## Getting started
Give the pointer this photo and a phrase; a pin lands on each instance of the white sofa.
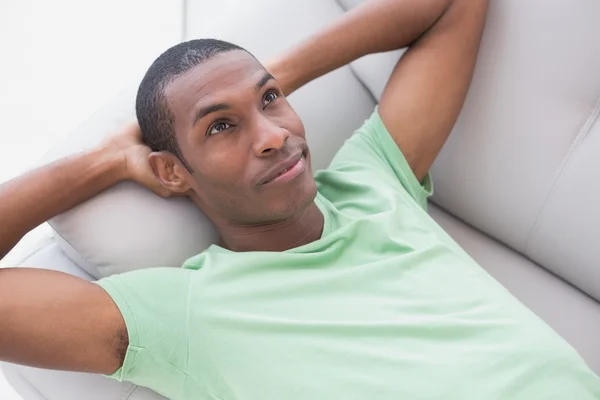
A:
(517, 183)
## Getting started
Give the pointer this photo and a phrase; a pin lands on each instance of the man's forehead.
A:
(222, 73)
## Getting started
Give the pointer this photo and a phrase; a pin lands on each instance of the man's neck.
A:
(304, 228)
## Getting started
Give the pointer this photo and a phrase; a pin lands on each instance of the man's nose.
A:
(268, 137)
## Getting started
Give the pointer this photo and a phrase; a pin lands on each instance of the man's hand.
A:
(127, 146)
(31, 199)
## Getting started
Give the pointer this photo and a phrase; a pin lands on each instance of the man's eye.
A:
(269, 97)
(218, 127)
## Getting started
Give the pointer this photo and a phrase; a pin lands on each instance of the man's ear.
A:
(170, 172)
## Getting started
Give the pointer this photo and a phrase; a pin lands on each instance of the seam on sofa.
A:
(131, 395)
(83, 257)
(57, 233)
(343, 6)
(339, 3)
(583, 132)
(31, 386)
(129, 392)
(363, 84)
(45, 242)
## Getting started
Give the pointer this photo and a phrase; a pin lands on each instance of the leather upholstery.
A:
(520, 162)
(519, 166)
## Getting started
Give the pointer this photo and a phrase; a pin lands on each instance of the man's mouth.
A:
(286, 170)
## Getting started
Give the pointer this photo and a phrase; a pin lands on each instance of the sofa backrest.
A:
(523, 162)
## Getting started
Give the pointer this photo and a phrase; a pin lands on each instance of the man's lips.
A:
(283, 168)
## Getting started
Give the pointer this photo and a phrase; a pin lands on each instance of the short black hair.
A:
(154, 116)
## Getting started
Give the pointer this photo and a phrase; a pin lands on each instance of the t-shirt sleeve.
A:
(154, 305)
(372, 148)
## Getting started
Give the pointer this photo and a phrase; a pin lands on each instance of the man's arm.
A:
(50, 319)
(53, 320)
(426, 91)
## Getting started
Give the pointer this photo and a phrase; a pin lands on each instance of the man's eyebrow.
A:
(204, 111)
(266, 78)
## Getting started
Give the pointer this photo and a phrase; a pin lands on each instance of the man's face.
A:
(243, 141)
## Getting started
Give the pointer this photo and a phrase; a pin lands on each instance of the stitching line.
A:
(129, 392)
(43, 244)
(30, 385)
(583, 132)
(83, 257)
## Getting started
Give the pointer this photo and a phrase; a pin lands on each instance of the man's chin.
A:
(295, 200)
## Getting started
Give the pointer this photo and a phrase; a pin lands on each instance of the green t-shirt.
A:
(384, 306)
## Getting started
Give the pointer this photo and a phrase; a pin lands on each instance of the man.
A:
(338, 287)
